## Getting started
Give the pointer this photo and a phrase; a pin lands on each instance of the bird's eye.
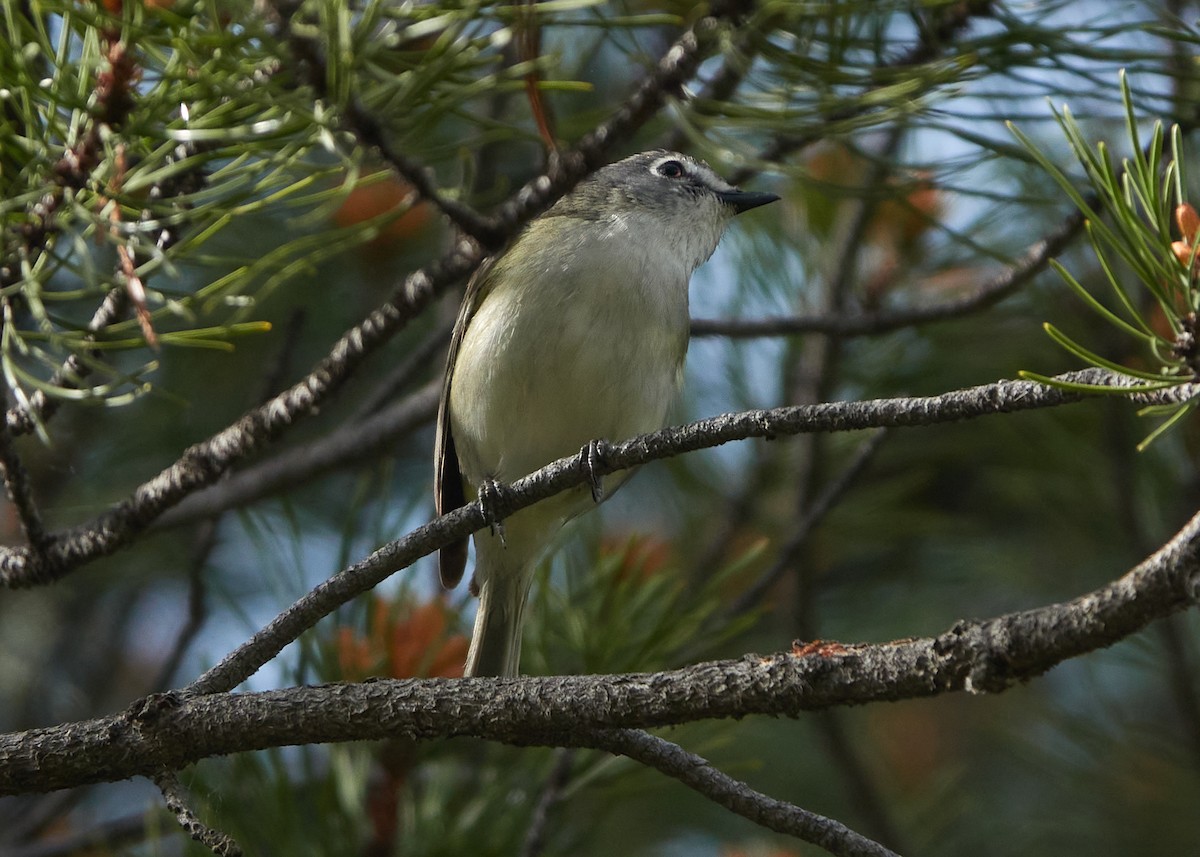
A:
(671, 169)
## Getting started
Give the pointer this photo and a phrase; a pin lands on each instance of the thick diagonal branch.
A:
(170, 731)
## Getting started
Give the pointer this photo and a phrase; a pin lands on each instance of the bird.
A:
(574, 334)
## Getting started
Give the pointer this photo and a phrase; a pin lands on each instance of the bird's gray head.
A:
(660, 199)
(659, 180)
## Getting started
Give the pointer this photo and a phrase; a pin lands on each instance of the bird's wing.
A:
(447, 477)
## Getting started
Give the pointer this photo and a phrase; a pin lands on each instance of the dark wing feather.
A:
(447, 477)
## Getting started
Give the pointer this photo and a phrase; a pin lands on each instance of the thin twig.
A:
(528, 38)
(126, 264)
(206, 540)
(22, 418)
(552, 793)
(830, 494)
(843, 325)
(221, 844)
(351, 443)
(698, 774)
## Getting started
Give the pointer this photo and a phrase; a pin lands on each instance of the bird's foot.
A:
(491, 500)
(593, 457)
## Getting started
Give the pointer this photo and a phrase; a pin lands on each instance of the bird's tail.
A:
(503, 576)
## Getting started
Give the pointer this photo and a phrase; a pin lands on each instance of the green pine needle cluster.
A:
(1129, 215)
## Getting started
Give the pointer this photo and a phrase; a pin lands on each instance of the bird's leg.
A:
(593, 456)
(491, 501)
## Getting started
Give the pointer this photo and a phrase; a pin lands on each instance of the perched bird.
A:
(576, 332)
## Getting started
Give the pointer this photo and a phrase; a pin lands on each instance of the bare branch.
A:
(994, 290)
(169, 731)
(349, 444)
(698, 774)
(219, 843)
(552, 792)
(816, 513)
(1001, 397)
(205, 462)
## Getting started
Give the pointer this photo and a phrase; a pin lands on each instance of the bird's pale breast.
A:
(569, 347)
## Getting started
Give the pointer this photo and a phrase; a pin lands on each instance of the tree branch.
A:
(24, 417)
(169, 731)
(219, 843)
(698, 774)
(1001, 397)
(552, 793)
(348, 444)
(813, 515)
(203, 463)
(1031, 263)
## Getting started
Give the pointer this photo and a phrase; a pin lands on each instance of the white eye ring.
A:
(670, 168)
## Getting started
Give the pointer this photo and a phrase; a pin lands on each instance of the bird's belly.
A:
(549, 376)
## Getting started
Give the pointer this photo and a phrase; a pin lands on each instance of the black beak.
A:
(743, 200)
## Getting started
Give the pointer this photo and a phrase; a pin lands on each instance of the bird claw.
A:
(593, 456)
(491, 494)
